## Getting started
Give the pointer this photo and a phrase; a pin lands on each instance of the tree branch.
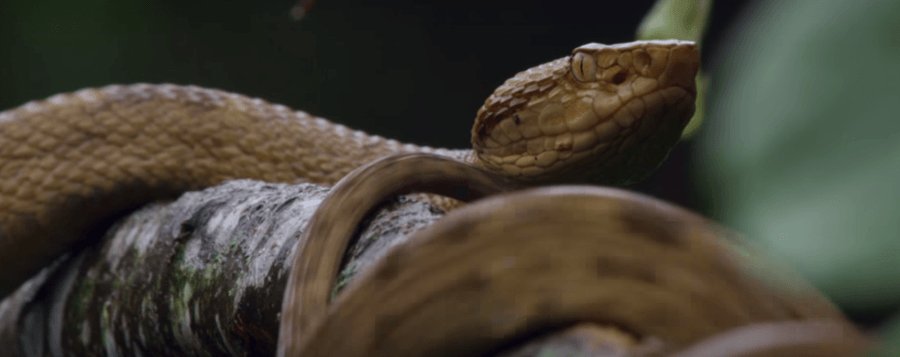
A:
(202, 275)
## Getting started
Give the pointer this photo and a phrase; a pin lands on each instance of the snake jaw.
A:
(606, 114)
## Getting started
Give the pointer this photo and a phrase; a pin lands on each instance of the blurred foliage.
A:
(801, 149)
(683, 20)
(680, 19)
(890, 337)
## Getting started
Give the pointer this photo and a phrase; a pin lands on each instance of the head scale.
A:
(606, 114)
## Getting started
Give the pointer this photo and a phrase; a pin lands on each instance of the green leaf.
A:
(802, 147)
(679, 19)
(683, 20)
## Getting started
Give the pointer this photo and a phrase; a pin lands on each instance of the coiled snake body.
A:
(68, 163)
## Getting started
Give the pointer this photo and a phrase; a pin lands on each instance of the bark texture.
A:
(203, 275)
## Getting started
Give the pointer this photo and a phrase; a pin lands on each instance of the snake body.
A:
(73, 161)
(487, 276)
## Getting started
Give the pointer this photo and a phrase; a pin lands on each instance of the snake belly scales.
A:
(604, 114)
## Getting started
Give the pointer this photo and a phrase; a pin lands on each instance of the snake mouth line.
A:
(615, 133)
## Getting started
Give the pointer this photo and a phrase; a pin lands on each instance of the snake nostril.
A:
(619, 77)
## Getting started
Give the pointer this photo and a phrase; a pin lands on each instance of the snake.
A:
(72, 162)
(515, 265)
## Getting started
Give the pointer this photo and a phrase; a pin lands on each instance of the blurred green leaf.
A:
(679, 19)
(802, 148)
(890, 340)
(683, 20)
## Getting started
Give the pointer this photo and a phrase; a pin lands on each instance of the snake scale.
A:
(606, 113)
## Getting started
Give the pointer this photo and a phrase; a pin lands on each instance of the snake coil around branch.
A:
(604, 114)
(510, 267)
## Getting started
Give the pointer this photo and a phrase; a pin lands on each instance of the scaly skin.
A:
(72, 162)
(506, 268)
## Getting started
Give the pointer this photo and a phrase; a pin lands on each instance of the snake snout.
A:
(682, 65)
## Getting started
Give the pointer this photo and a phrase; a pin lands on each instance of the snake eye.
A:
(584, 68)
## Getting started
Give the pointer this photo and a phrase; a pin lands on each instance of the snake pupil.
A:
(583, 67)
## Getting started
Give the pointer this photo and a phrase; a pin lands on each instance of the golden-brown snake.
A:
(507, 268)
(68, 163)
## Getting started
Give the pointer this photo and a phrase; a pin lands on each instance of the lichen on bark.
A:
(202, 275)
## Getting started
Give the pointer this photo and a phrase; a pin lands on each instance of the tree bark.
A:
(203, 275)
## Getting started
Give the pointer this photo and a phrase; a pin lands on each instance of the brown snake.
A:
(68, 163)
(511, 266)
(604, 114)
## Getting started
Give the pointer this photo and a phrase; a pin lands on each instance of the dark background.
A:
(411, 70)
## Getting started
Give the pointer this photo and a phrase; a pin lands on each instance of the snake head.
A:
(605, 114)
